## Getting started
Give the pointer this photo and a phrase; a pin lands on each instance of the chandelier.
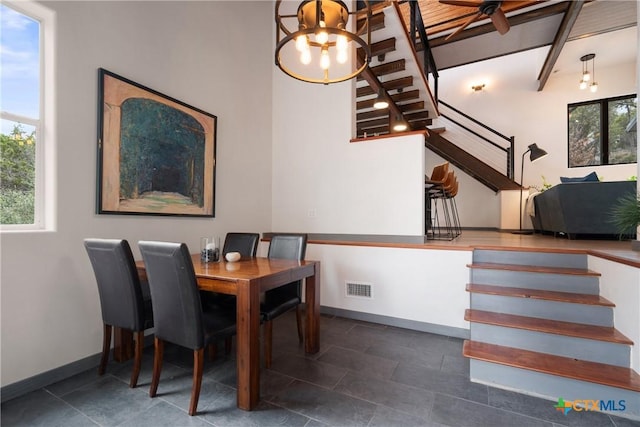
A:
(322, 37)
(586, 75)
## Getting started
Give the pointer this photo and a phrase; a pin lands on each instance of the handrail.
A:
(466, 116)
(417, 25)
(509, 150)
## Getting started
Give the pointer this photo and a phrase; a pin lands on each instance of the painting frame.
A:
(156, 154)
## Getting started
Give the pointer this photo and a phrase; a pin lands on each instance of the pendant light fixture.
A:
(400, 125)
(381, 100)
(586, 75)
(322, 37)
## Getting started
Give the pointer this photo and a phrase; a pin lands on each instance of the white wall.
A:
(620, 284)
(422, 285)
(193, 51)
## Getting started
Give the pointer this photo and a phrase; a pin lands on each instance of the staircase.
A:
(539, 326)
(474, 167)
(397, 71)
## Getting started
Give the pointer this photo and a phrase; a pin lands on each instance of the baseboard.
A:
(52, 376)
(449, 331)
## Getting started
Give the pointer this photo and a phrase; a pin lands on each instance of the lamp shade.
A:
(536, 152)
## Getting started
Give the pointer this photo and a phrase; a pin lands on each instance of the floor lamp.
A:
(535, 154)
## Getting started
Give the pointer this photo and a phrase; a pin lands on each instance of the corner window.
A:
(24, 135)
(603, 132)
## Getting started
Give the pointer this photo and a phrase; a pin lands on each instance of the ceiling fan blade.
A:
(500, 21)
(465, 25)
(461, 3)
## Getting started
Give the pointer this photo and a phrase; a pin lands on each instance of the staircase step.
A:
(599, 373)
(579, 330)
(437, 130)
(534, 269)
(568, 297)
(530, 256)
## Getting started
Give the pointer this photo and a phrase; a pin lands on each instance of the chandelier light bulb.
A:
(593, 87)
(342, 43)
(321, 35)
(305, 57)
(302, 43)
(325, 61)
(586, 76)
(583, 84)
(341, 56)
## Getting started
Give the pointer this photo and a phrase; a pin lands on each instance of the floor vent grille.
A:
(359, 290)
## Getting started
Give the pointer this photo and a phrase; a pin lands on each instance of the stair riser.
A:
(567, 312)
(553, 387)
(530, 258)
(560, 345)
(548, 282)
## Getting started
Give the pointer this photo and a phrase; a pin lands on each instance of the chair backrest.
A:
(286, 246)
(440, 171)
(115, 270)
(245, 243)
(177, 310)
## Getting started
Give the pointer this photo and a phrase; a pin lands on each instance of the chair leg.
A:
(158, 350)
(198, 367)
(106, 346)
(299, 321)
(212, 349)
(268, 331)
(137, 361)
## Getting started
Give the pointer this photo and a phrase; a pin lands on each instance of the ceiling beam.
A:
(562, 35)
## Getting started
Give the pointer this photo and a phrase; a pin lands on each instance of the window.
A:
(603, 132)
(25, 138)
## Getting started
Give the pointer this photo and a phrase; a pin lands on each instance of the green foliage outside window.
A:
(17, 177)
(603, 132)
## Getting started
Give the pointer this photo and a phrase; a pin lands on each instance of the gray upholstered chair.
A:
(245, 243)
(177, 310)
(284, 298)
(124, 300)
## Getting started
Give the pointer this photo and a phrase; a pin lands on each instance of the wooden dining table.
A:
(247, 279)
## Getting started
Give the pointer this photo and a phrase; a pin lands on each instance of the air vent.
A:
(359, 290)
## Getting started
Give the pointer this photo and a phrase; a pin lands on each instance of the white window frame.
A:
(45, 163)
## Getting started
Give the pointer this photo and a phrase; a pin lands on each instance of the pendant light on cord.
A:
(586, 75)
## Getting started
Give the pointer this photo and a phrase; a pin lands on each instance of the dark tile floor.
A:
(364, 375)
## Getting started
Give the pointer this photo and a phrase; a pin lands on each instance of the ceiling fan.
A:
(489, 8)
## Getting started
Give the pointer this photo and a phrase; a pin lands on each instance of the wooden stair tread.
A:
(534, 269)
(599, 373)
(569, 297)
(577, 330)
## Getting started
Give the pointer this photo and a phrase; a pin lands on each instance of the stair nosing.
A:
(582, 370)
(557, 327)
(534, 269)
(539, 294)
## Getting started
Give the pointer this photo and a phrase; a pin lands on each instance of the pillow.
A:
(592, 177)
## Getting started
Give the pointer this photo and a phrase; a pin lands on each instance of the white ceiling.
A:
(614, 22)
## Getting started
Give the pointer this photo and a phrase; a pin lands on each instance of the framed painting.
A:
(156, 155)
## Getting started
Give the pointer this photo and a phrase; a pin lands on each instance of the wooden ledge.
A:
(535, 324)
(390, 135)
(599, 373)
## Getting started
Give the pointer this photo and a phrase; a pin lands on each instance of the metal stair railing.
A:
(508, 151)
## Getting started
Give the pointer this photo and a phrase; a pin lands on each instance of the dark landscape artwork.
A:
(156, 155)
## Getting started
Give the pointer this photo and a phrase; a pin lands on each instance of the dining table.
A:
(247, 279)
